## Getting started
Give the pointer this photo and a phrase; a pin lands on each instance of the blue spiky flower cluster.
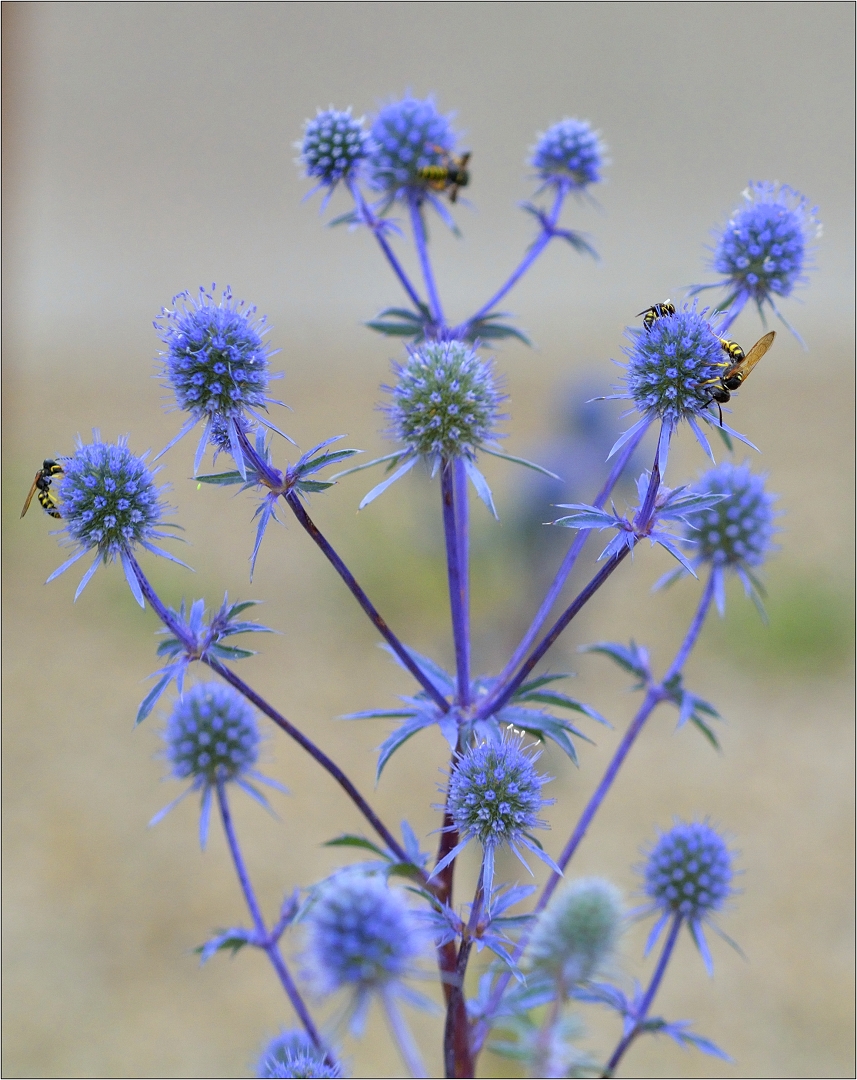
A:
(212, 734)
(292, 1054)
(569, 153)
(446, 402)
(689, 871)
(407, 136)
(737, 529)
(109, 498)
(361, 933)
(215, 359)
(333, 144)
(673, 365)
(495, 793)
(764, 246)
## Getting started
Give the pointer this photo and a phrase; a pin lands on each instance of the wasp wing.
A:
(33, 490)
(743, 368)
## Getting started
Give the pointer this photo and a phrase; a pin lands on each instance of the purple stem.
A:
(363, 600)
(457, 580)
(377, 229)
(175, 626)
(270, 947)
(418, 226)
(570, 559)
(654, 695)
(649, 996)
(533, 252)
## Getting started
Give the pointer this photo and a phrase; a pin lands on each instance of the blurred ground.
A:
(148, 150)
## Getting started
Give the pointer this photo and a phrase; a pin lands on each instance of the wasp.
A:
(656, 311)
(42, 488)
(740, 367)
(449, 175)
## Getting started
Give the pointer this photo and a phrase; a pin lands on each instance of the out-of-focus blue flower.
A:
(212, 738)
(361, 936)
(736, 532)
(293, 1054)
(689, 873)
(763, 249)
(494, 796)
(110, 504)
(216, 364)
(570, 155)
(407, 136)
(334, 143)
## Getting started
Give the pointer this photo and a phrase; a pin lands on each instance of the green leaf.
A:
(521, 461)
(314, 485)
(348, 840)
(223, 479)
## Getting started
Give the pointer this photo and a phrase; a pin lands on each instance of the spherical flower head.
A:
(361, 933)
(293, 1054)
(764, 246)
(215, 359)
(569, 154)
(407, 136)
(109, 499)
(332, 146)
(495, 793)
(673, 365)
(212, 735)
(689, 871)
(576, 934)
(446, 401)
(737, 530)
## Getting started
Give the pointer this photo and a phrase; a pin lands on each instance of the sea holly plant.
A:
(398, 912)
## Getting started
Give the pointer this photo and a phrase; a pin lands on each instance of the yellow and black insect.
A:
(42, 488)
(449, 175)
(740, 367)
(656, 311)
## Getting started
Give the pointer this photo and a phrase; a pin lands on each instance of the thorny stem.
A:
(648, 997)
(535, 249)
(418, 226)
(377, 229)
(570, 559)
(176, 628)
(271, 947)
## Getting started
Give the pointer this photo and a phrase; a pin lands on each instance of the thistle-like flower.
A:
(688, 873)
(407, 137)
(293, 1054)
(212, 738)
(110, 504)
(216, 364)
(445, 408)
(735, 533)
(764, 249)
(671, 369)
(333, 145)
(569, 155)
(576, 935)
(494, 796)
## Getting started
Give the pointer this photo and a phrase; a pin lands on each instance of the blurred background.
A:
(149, 149)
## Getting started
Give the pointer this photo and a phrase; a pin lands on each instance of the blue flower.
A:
(688, 873)
(407, 136)
(445, 408)
(570, 155)
(361, 935)
(216, 364)
(293, 1054)
(110, 504)
(764, 247)
(494, 796)
(672, 366)
(334, 143)
(212, 738)
(735, 533)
